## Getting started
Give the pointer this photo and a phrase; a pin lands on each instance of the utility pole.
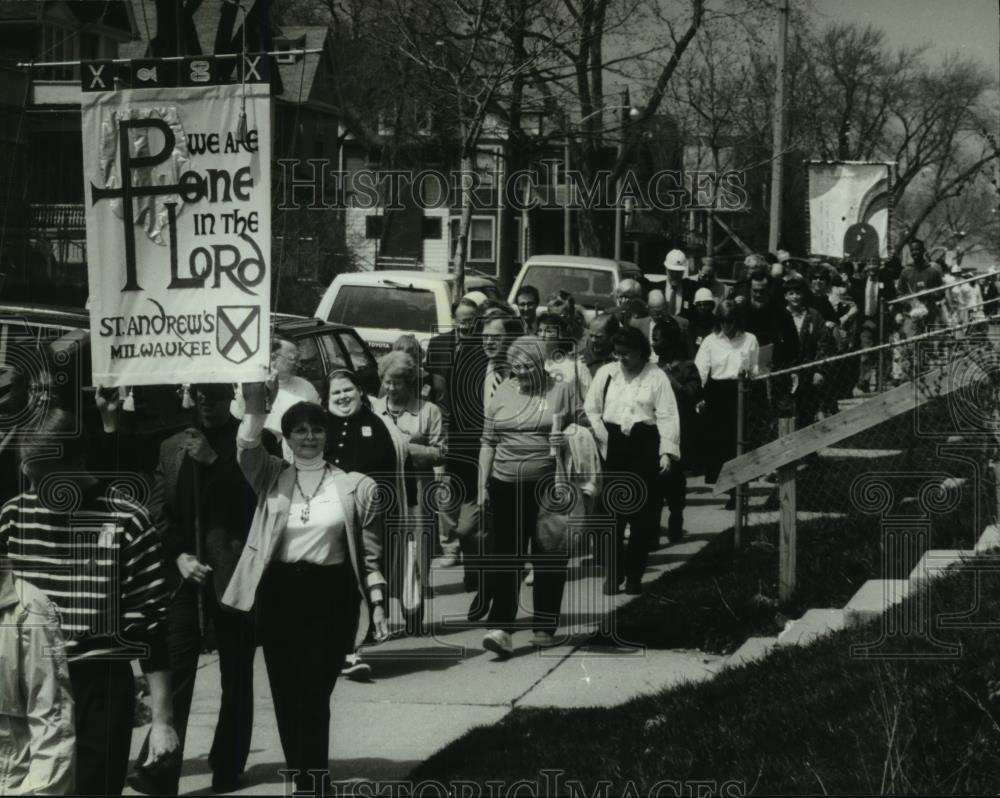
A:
(623, 110)
(565, 168)
(780, 114)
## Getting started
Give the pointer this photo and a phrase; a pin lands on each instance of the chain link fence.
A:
(839, 451)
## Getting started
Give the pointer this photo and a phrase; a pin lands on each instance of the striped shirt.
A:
(99, 562)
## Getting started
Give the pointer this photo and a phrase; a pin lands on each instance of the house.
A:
(44, 240)
(44, 246)
(417, 224)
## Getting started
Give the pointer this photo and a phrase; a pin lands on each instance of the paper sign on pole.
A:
(178, 221)
(849, 209)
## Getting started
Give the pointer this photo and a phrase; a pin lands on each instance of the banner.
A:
(178, 198)
(849, 209)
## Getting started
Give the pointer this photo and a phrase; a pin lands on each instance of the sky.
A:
(969, 26)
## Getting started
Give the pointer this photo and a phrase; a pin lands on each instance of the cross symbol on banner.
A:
(234, 328)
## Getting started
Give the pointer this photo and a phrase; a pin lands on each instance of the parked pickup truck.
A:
(382, 305)
(591, 281)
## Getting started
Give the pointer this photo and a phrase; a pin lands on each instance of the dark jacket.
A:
(223, 511)
(686, 382)
(772, 325)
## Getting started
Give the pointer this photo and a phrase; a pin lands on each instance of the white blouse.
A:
(646, 398)
(322, 539)
(723, 358)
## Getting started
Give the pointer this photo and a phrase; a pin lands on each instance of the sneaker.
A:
(499, 642)
(447, 560)
(543, 639)
(356, 669)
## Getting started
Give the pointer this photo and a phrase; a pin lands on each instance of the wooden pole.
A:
(786, 521)
(566, 211)
(741, 387)
(777, 156)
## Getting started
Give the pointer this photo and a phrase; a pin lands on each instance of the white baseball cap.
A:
(676, 261)
(476, 296)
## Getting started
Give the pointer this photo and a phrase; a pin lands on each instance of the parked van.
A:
(382, 306)
(591, 281)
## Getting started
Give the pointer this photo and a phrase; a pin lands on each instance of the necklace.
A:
(304, 515)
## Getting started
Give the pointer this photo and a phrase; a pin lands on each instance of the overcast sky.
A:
(971, 26)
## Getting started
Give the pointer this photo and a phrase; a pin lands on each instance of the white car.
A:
(383, 305)
(591, 281)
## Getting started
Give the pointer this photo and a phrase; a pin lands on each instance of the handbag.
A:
(559, 512)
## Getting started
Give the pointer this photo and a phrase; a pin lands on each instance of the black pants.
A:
(235, 638)
(719, 426)
(634, 458)
(674, 484)
(515, 521)
(104, 703)
(308, 619)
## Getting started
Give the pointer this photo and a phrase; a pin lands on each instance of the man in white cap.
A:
(676, 293)
(702, 315)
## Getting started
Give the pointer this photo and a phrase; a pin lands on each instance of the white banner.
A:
(849, 210)
(178, 230)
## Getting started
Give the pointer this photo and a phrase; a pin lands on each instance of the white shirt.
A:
(313, 541)
(646, 398)
(723, 358)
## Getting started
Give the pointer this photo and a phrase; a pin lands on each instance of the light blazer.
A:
(273, 479)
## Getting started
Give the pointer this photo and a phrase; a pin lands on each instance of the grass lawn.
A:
(814, 720)
(723, 597)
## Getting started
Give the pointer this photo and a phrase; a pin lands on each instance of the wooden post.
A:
(741, 387)
(786, 522)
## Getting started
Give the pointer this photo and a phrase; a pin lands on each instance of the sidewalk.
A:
(427, 691)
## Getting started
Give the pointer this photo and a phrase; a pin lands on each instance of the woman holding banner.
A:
(313, 566)
(521, 438)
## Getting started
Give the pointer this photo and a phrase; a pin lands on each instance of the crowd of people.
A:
(293, 519)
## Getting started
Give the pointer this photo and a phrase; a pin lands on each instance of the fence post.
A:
(741, 386)
(786, 520)
(880, 363)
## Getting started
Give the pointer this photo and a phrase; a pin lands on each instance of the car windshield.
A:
(591, 288)
(385, 308)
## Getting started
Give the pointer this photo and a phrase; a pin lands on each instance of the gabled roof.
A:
(116, 14)
(307, 80)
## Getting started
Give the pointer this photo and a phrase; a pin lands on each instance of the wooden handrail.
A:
(833, 429)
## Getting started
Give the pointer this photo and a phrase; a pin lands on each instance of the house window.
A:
(59, 44)
(481, 239)
(486, 166)
(424, 123)
(384, 121)
(432, 228)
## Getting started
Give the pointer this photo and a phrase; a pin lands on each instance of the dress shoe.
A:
(633, 587)
(612, 587)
